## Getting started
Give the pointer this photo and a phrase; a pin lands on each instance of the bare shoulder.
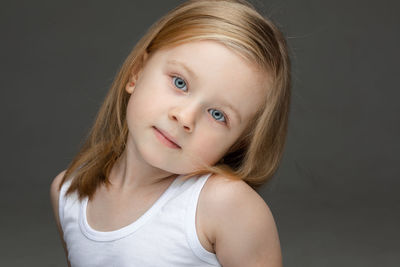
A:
(240, 224)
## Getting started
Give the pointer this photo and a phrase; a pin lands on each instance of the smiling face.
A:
(201, 94)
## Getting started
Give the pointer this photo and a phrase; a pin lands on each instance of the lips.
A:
(167, 136)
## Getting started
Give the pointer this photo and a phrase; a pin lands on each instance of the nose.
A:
(185, 116)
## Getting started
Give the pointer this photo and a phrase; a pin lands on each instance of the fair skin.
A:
(188, 106)
(191, 104)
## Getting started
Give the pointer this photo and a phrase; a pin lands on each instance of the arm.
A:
(54, 196)
(244, 230)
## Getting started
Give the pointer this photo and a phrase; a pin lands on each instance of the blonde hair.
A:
(255, 156)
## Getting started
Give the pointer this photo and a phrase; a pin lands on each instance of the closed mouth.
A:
(164, 134)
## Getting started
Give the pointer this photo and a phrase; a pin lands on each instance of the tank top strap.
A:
(62, 199)
(190, 223)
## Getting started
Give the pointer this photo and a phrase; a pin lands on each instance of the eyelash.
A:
(176, 76)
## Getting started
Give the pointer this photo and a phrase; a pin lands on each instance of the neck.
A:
(131, 173)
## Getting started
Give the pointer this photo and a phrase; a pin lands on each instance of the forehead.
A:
(219, 72)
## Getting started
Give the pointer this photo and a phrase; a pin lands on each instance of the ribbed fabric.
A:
(165, 235)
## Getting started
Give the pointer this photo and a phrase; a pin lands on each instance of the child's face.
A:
(191, 104)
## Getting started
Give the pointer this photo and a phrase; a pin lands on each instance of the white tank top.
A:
(165, 235)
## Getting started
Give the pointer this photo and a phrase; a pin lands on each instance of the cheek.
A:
(144, 103)
(211, 148)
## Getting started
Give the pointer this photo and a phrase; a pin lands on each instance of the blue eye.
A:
(218, 115)
(179, 82)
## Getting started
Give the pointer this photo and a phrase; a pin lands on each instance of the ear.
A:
(130, 86)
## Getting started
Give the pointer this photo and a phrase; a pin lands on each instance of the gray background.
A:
(334, 197)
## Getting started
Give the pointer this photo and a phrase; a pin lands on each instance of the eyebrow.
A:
(183, 65)
(191, 73)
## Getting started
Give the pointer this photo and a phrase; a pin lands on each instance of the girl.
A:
(195, 120)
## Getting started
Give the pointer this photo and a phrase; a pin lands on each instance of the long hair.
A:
(255, 156)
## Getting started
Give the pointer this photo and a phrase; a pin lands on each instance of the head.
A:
(202, 94)
(253, 152)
